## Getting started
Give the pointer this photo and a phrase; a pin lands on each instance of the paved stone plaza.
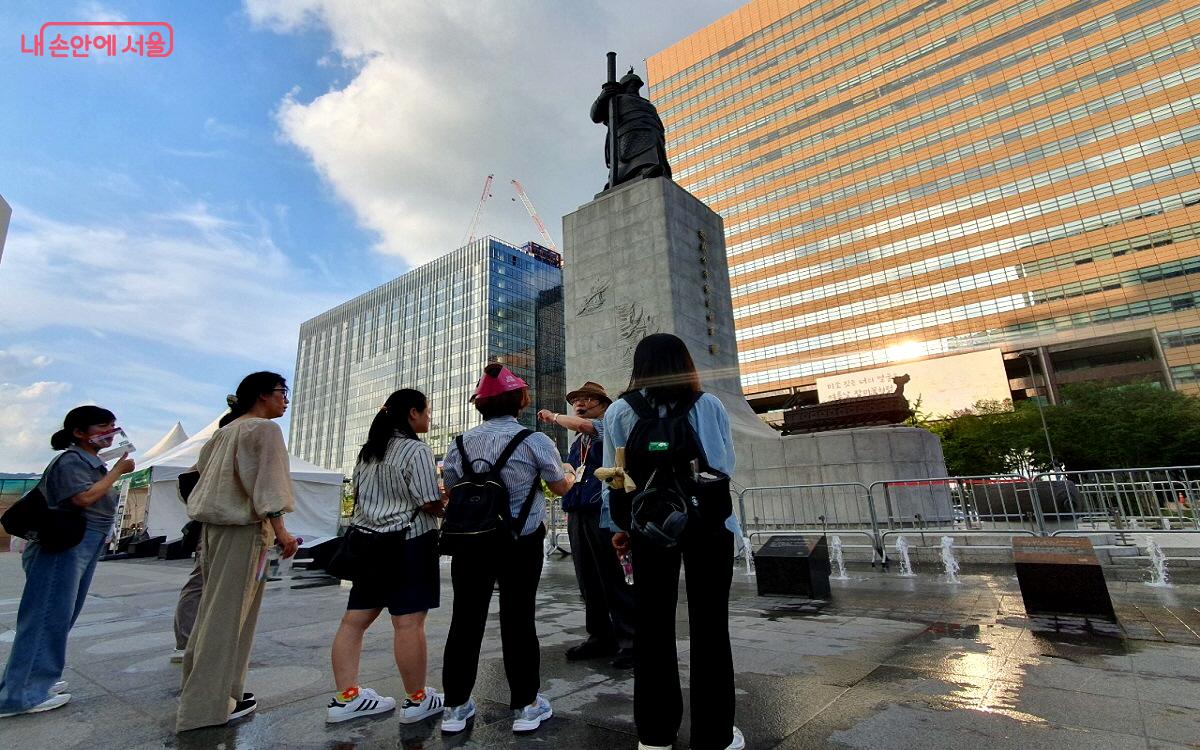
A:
(911, 664)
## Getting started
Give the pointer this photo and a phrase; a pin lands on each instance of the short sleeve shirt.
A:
(536, 457)
(73, 472)
(390, 492)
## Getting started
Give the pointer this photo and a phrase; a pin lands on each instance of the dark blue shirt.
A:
(586, 455)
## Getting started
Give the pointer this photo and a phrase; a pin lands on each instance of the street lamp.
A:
(1028, 355)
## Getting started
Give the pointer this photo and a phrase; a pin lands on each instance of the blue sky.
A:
(175, 220)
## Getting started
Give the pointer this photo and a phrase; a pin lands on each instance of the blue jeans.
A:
(56, 585)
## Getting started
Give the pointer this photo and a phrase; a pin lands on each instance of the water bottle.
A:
(284, 564)
(273, 557)
(627, 566)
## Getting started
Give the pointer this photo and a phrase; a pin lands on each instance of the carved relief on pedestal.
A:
(633, 325)
(595, 300)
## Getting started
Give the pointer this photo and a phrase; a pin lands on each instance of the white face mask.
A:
(112, 444)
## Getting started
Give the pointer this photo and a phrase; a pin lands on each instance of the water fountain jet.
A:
(948, 560)
(906, 570)
(1159, 576)
(838, 560)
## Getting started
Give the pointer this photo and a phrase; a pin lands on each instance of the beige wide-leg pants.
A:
(218, 651)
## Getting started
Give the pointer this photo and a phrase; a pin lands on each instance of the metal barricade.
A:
(992, 505)
(556, 528)
(1117, 501)
(834, 508)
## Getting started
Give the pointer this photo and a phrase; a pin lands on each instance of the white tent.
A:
(318, 492)
(174, 437)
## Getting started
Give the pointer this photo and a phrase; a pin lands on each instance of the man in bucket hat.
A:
(607, 598)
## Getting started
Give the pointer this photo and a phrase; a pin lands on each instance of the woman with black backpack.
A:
(494, 531)
(678, 448)
(58, 575)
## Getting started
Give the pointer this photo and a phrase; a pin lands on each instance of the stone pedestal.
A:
(649, 257)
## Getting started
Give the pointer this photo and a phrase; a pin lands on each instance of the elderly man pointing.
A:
(607, 598)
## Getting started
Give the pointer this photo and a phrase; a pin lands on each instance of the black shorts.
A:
(416, 586)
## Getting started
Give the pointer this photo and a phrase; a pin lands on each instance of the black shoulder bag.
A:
(56, 529)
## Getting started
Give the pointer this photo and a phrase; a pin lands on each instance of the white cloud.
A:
(444, 93)
(186, 278)
(30, 415)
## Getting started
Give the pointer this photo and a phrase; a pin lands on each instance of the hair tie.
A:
(231, 401)
(383, 408)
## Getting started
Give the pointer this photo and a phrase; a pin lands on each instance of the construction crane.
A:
(533, 214)
(487, 193)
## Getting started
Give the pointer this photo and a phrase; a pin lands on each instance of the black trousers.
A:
(607, 599)
(657, 697)
(474, 572)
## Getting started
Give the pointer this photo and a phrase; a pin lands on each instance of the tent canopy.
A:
(174, 437)
(318, 491)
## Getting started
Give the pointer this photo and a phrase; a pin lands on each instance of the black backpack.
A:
(479, 501)
(676, 486)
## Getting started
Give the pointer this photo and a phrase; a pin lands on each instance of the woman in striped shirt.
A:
(396, 491)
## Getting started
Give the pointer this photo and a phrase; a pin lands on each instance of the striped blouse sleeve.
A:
(421, 473)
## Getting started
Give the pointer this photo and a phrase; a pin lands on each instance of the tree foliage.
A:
(1097, 426)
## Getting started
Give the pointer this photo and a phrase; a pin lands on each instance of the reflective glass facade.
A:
(915, 178)
(433, 329)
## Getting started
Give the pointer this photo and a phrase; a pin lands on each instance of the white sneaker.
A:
(531, 717)
(58, 687)
(366, 703)
(411, 712)
(739, 742)
(454, 718)
(51, 703)
(177, 656)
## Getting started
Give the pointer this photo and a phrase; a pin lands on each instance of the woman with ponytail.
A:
(244, 489)
(398, 502)
(57, 583)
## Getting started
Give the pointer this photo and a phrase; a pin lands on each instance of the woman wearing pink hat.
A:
(522, 459)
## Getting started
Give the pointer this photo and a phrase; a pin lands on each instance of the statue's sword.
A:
(612, 122)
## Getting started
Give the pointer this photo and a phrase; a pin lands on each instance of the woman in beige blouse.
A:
(244, 489)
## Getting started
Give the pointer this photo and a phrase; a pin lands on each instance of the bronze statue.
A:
(635, 132)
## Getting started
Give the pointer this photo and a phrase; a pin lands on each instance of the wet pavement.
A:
(890, 662)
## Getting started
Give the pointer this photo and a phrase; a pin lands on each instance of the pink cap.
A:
(504, 382)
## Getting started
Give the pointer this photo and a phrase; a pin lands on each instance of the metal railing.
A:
(556, 528)
(1109, 502)
(795, 509)
(1118, 501)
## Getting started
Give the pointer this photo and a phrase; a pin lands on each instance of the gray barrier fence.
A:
(1108, 502)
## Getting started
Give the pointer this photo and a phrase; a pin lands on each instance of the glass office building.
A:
(433, 329)
(906, 179)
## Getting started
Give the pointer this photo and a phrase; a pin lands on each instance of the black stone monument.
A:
(1061, 575)
(793, 566)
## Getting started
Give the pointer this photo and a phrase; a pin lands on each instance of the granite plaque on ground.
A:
(793, 566)
(1061, 575)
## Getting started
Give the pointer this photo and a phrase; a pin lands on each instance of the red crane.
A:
(487, 193)
(533, 214)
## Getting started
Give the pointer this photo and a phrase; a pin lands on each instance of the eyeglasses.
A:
(284, 391)
(585, 400)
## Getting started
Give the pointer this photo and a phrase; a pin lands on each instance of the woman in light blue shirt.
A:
(665, 377)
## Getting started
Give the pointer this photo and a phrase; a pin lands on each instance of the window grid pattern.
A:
(433, 329)
(1033, 177)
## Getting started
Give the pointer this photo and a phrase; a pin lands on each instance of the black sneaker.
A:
(590, 650)
(243, 708)
(624, 659)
